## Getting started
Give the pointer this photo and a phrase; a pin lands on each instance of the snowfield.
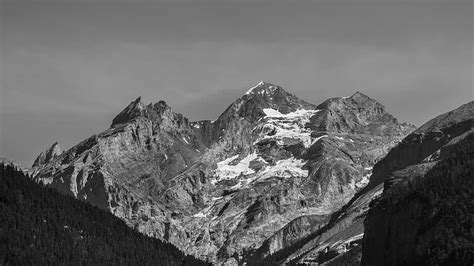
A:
(274, 126)
(286, 168)
(290, 167)
(280, 126)
(226, 171)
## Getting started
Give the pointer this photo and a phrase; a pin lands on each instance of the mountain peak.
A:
(365, 101)
(261, 88)
(359, 94)
(357, 113)
(156, 112)
(134, 109)
(137, 108)
(48, 155)
(261, 96)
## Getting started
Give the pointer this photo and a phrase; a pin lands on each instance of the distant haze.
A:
(67, 67)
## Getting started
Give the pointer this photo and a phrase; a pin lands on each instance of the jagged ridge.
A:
(220, 189)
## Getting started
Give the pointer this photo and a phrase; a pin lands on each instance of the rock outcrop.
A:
(267, 173)
(48, 155)
(425, 215)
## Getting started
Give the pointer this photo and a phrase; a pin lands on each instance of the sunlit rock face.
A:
(47, 155)
(258, 178)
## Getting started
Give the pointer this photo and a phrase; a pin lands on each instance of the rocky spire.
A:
(48, 155)
(134, 109)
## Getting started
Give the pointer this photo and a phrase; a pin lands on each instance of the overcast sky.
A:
(67, 67)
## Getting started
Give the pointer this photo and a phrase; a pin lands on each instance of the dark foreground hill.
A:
(39, 226)
(425, 215)
(426, 218)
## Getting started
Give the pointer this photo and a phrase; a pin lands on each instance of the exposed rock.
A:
(347, 223)
(48, 155)
(254, 182)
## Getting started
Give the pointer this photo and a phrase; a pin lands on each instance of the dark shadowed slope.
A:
(425, 215)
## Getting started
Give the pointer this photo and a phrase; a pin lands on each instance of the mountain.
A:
(39, 226)
(269, 171)
(340, 241)
(47, 155)
(425, 215)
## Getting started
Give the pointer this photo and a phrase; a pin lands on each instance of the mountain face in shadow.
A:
(425, 215)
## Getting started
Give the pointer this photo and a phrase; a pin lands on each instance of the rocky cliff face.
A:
(425, 215)
(47, 155)
(265, 174)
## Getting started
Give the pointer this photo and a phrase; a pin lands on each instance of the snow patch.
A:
(272, 113)
(254, 87)
(348, 240)
(318, 138)
(290, 167)
(185, 140)
(279, 126)
(226, 171)
(337, 137)
(236, 186)
(200, 215)
(364, 181)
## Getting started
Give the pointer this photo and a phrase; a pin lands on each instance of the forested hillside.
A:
(39, 226)
(425, 218)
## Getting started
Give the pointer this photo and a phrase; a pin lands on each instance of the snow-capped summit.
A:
(261, 96)
(261, 87)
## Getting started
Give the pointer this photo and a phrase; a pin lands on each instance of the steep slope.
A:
(425, 141)
(425, 215)
(220, 189)
(39, 226)
(123, 168)
(47, 155)
(345, 229)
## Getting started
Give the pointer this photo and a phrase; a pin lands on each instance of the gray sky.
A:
(67, 67)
